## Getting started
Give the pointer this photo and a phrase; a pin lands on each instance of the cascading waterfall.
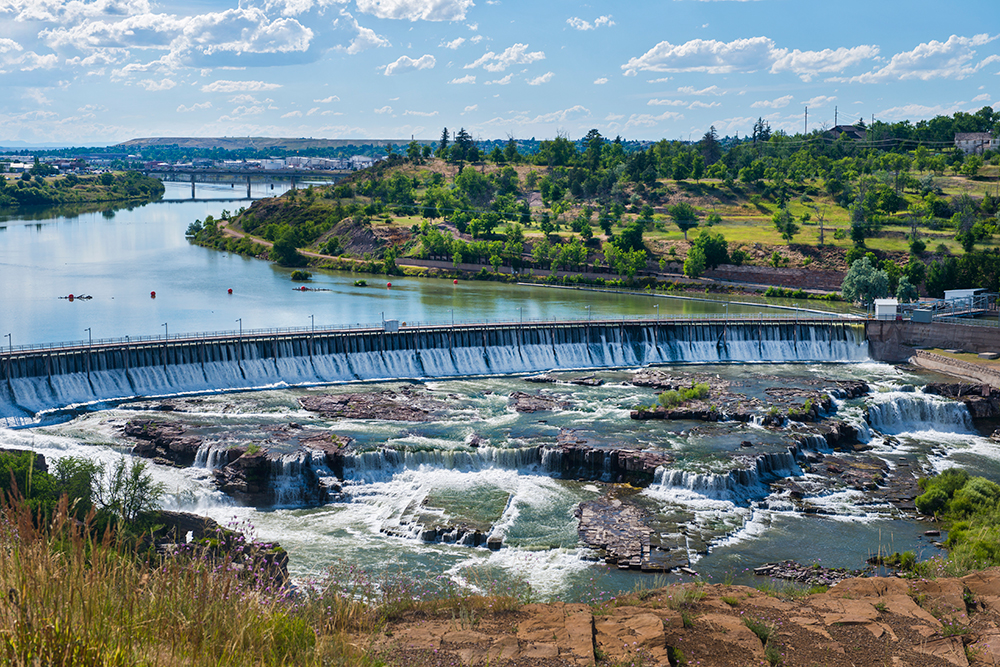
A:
(50, 380)
(902, 412)
(381, 464)
(739, 484)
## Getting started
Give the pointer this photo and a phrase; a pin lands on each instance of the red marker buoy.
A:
(230, 290)
(456, 281)
(388, 284)
(152, 295)
(70, 297)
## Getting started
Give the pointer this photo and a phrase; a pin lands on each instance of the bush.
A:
(300, 275)
(931, 502)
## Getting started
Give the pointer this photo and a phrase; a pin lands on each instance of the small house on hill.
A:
(854, 132)
(974, 143)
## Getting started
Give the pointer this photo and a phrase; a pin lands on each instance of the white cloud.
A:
(426, 114)
(407, 64)
(778, 103)
(649, 120)
(819, 101)
(981, 98)
(580, 24)
(601, 81)
(933, 60)
(312, 111)
(503, 81)
(154, 86)
(573, 113)
(194, 107)
(31, 61)
(807, 64)
(472, 107)
(224, 86)
(384, 110)
(37, 96)
(364, 38)
(539, 80)
(453, 44)
(292, 114)
(468, 78)
(614, 116)
(744, 55)
(7, 45)
(514, 55)
(327, 100)
(59, 11)
(415, 10)
(912, 111)
(691, 90)
(665, 103)
(698, 104)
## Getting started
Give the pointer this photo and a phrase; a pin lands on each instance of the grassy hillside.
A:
(39, 190)
(614, 218)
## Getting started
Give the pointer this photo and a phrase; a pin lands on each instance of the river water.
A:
(410, 471)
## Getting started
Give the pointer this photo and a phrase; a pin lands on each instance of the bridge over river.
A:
(38, 379)
(240, 177)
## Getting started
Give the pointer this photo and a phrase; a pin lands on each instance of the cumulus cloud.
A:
(649, 120)
(384, 110)
(194, 107)
(819, 101)
(910, 111)
(60, 11)
(453, 44)
(408, 64)
(292, 114)
(573, 113)
(468, 78)
(601, 81)
(471, 107)
(503, 81)
(744, 55)
(691, 90)
(539, 80)
(981, 98)
(665, 103)
(807, 64)
(425, 114)
(327, 100)
(778, 103)
(31, 61)
(580, 24)
(953, 59)
(8, 45)
(153, 86)
(698, 104)
(364, 38)
(224, 86)
(416, 10)
(516, 54)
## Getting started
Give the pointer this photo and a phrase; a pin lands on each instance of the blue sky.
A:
(101, 71)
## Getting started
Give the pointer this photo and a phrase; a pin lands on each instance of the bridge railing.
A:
(409, 326)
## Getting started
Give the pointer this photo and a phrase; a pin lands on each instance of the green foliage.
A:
(695, 262)
(864, 283)
(684, 216)
(714, 248)
(300, 275)
(677, 397)
(127, 489)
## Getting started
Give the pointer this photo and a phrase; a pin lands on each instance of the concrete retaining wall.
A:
(897, 341)
(957, 368)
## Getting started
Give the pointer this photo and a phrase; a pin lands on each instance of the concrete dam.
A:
(39, 380)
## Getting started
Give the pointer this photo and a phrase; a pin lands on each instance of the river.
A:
(408, 473)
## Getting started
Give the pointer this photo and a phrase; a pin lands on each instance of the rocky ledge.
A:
(858, 622)
(982, 400)
(523, 402)
(406, 405)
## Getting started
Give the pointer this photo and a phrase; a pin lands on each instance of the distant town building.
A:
(975, 142)
(361, 161)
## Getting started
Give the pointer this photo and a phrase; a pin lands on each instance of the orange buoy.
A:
(388, 284)
(230, 290)
(455, 281)
(152, 295)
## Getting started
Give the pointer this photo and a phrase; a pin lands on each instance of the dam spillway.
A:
(56, 377)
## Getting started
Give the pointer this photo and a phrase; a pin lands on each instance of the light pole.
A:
(520, 314)
(312, 324)
(588, 314)
(452, 317)
(10, 344)
(166, 331)
(657, 307)
(90, 337)
(240, 321)
(240, 341)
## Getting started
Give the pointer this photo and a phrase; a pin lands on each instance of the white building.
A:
(886, 309)
(975, 142)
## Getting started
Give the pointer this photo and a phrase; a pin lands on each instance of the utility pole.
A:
(835, 116)
(806, 128)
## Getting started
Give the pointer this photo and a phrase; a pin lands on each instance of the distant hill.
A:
(263, 143)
